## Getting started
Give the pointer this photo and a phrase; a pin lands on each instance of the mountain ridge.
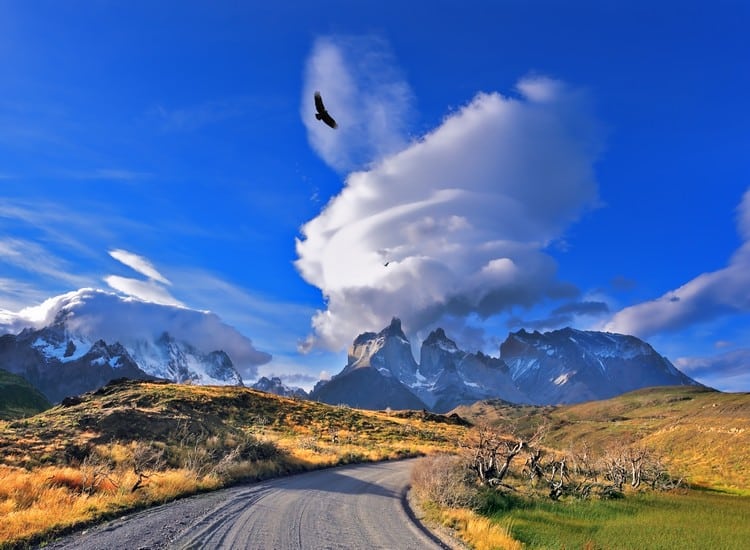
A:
(556, 367)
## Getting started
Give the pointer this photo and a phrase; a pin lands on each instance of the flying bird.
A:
(322, 114)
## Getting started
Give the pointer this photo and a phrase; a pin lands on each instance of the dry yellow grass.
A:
(479, 532)
(137, 444)
(53, 499)
(702, 435)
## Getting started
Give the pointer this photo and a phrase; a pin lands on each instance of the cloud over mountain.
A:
(707, 296)
(461, 217)
(97, 314)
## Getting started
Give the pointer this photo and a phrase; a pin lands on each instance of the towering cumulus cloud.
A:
(460, 217)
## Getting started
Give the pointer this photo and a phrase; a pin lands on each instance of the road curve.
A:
(350, 507)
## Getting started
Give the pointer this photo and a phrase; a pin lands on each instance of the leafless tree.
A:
(491, 451)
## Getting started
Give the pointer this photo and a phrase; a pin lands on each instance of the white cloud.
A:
(99, 314)
(366, 94)
(728, 371)
(708, 296)
(139, 264)
(149, 291)
(35, 258)
(461, 217)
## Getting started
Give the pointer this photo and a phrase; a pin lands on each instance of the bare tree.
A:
(491, 451)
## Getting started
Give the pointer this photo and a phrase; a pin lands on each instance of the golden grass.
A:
(70, 466)
(703, 435)
(477, 531)
(52, 499)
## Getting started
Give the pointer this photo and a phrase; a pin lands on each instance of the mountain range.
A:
(60, 363)
(79, 341)
(87, 338)
(562, 366)
(275, 386)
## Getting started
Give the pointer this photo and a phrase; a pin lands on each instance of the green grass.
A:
(686, 520)
(18, 398)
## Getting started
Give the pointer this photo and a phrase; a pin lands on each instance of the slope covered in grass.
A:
(18, 398)
(702, 434)
(133, 444)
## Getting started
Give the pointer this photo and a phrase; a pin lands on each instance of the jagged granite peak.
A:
(437, 353)
(277, 387)
(448, 376)
(42, 358)
(394, 329)
(570, 366)
(562, 366)
(444, 378)
(388, 351)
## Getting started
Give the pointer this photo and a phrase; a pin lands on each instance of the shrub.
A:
(444, 480)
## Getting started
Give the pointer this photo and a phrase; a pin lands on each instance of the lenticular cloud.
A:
(461, 217)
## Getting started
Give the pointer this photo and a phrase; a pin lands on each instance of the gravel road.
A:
(351, 507)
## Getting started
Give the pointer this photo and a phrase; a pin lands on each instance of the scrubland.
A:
(131, 445)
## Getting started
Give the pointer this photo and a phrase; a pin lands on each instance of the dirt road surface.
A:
(351, 507)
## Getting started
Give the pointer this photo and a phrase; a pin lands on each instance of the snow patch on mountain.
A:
(564, 366)
(194, 337)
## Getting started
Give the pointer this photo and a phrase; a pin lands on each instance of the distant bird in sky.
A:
(386, 263)
(322, 114)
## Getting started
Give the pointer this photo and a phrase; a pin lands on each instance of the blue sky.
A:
(518, 164)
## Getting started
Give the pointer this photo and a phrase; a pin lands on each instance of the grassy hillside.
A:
(18, 398)
(133, 444)
(701, 433)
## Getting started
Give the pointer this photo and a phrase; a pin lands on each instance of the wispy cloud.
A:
(274, 324)
(193, 117)
(728, 371)
(16, 294)
(151, 290)
(365, 91)
(70, 229)
(106, 174)
(706, 297)
(34, 258)
(461, 217)
(139, 264)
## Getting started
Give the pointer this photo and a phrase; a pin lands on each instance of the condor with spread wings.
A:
(322, 114)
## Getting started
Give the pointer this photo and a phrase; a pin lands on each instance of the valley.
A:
(135, 444)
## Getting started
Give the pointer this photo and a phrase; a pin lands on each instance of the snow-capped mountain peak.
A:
(569, 365)
(563, 366)
(124, 336)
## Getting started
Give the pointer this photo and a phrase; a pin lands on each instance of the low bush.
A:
(445, 481)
